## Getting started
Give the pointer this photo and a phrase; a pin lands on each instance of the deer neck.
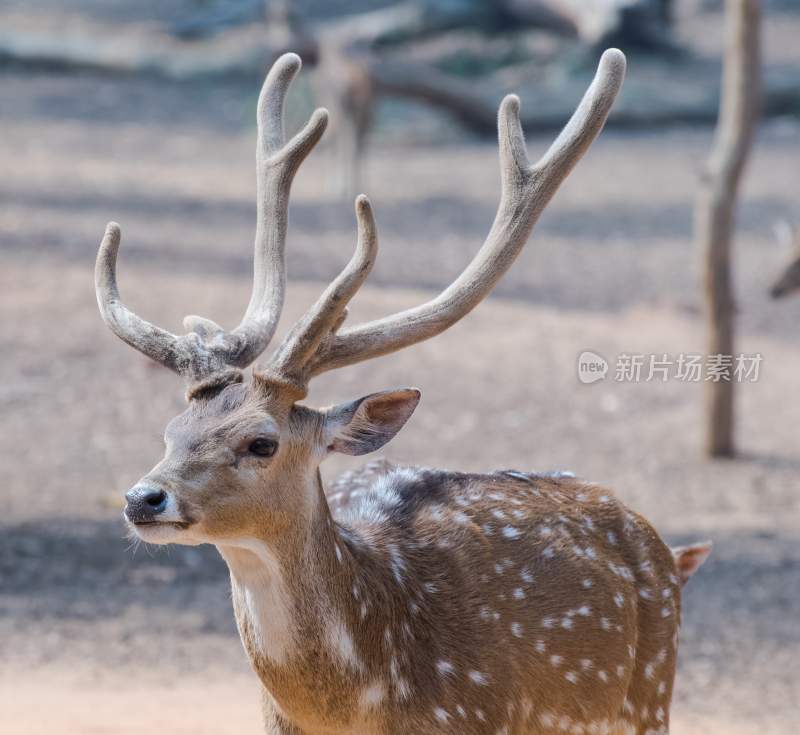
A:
(296, 614)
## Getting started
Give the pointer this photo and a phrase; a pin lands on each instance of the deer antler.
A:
(315, 345)
(207, 349)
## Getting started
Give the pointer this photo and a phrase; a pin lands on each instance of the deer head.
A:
(244, 456)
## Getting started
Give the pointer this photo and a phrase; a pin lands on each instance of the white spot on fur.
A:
(479, 678)
(526, 576)
(372, 695)
(445, 668)
(441, 714)
(516, 629)
(511, 532)
(397, 562)
(341, 642)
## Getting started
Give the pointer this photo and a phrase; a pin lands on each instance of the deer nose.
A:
(144, 503)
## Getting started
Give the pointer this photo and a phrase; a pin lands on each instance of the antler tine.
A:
(325, 317)
(157, 343)
(208, 349)
(525, 192)
(276, 163)
(588, 119)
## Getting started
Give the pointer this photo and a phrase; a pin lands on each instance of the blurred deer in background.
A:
(789, 280)
(408, 600)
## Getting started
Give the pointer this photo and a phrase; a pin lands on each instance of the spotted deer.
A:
(406, 600)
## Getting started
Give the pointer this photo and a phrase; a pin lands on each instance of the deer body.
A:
(445, 602)
(408, 600)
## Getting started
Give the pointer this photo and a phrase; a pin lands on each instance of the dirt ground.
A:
(95, 638)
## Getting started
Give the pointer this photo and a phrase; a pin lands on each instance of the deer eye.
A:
(263, 447)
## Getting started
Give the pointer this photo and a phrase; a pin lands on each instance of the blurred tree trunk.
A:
(714, 211)
(357, 69)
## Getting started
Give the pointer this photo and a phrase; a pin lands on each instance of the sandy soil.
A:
(97, 639)
(191, 705)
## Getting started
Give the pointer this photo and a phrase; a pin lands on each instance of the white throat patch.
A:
(260, 596)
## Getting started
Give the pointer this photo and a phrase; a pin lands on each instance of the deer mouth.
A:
(180, 525)
(162, 532)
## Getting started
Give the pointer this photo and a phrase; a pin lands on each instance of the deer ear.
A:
(368, 423)
(689, 558)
